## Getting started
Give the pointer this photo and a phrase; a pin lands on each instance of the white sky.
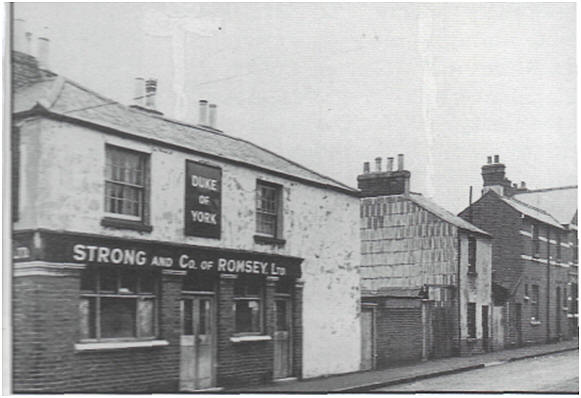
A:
(332, 85)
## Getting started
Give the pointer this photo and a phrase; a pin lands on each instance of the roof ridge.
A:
(547, 189)
(110, 101)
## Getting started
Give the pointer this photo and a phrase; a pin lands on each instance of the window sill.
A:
(471, 339)
(125, 224)
(472, 273)
(243, 339)
(535, 323)
(120, 345)
(269, 240)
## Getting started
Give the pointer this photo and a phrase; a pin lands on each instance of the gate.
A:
(443, 332)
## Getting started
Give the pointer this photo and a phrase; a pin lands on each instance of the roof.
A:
(531, 211)
(445, 215)
(559, 202)
(61, 97)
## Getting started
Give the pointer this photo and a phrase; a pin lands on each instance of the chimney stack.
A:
(43, 50)
(139, 94)
(212, 116)
(150, 92)
(203, 112)
(378, 164)
(493, 177)
(400, 162)
(384, 183)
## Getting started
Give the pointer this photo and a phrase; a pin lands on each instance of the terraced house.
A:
(425, 274)
(534, 256)
(155, 255)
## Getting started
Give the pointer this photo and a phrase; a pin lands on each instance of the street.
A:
(551, 373)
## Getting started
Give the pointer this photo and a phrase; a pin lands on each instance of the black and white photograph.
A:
(290, 198)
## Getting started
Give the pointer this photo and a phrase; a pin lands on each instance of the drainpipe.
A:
(548, 284)
(459, 295)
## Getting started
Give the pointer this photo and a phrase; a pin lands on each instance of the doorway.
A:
(282, 339)
(367, 337)
(197, 343)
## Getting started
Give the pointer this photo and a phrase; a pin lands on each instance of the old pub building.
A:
(155, 255)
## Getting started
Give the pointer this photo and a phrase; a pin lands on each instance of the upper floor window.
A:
(268, 209)
(472, 255)
(536, 241)
(126, 183)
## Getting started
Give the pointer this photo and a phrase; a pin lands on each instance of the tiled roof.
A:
(560, 203)
(531, 211)
(62, 97)
(444, 214)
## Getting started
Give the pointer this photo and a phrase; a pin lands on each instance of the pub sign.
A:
(203, 200)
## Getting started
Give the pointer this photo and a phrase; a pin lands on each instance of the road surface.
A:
(551, 373)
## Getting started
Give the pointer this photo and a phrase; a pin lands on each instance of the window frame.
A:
(535, 297)
(245, 296)
(277, 214)
(144, 188)
(536, 242)
(471, 320)
(97, 294)
(472, 254)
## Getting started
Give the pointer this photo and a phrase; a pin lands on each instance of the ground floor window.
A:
(471, 320)
(248, 304)
(118, 303)
(535, 302)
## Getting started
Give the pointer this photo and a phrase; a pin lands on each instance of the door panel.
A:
(282, 341)
(367, 339)
(196, 353)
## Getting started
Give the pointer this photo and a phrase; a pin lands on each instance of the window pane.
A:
(89, 280)
(281, 315)
(204, 317)
(146, 318)
(118, 317)
(247, 316)
(147, 281)
(108, 280)
(87, 317)
(128, 281)
(188, 318)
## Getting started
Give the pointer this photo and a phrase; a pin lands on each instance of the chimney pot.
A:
(496, 158)
(212, 117)
(489, 160)
(139, 93)
(43, 50)
(389, 165)
(203, 112)
(400, 162)
(378, 164)
(366, 167)
(523, 185)
(28, 48)
(150, 92)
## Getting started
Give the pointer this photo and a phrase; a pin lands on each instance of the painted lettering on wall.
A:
(203, 200)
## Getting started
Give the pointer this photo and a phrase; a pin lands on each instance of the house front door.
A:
(196, 341)
(282, 339)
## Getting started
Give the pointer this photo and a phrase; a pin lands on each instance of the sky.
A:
(332, 85)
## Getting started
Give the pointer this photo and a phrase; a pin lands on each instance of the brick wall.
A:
(399, 335)
(46, 328)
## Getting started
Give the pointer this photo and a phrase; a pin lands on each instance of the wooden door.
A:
(282, 339)
(196, 341)
(367, 338)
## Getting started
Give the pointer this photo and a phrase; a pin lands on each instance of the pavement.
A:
(369, 380)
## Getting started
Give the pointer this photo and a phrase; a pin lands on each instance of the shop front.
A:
(156, 315)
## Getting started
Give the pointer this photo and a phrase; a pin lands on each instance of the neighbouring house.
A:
(534, 256)
(425, 274)
(151, 254)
